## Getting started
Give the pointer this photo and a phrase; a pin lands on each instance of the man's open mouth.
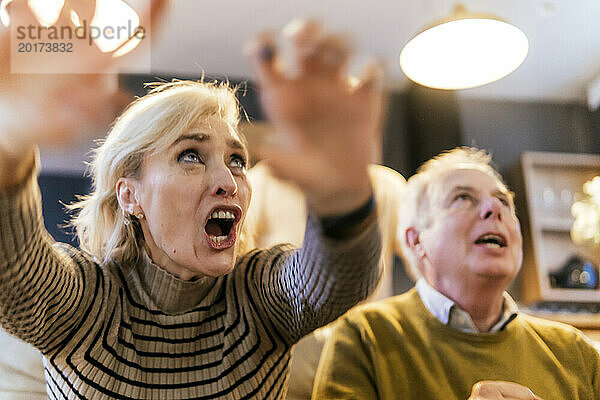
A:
(220, 227)
(492, 241)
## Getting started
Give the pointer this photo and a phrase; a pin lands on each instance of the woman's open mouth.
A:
(220, 227)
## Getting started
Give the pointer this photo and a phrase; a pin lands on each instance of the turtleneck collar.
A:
(169, 293)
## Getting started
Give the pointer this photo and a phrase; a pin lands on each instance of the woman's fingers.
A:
(316, 53)
(19, 13)
(311, 53)
(157, 10)
(82, 50)
(303, 33)
(84, 9)
(330, 57)
(371, 79)
(60, 107)
(262, 53)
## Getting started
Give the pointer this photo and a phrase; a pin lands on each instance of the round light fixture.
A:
(464, 51)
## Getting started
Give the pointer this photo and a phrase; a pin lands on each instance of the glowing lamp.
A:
(464, 51)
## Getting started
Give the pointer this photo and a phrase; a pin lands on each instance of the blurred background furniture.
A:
(549, 184)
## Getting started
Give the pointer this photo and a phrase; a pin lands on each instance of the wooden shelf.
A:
(556, 224)
(572, 295)
(549, 182)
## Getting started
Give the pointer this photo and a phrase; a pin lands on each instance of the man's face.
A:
(472, 233)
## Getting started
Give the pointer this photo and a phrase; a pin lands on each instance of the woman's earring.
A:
(126, 219)
(140, 216)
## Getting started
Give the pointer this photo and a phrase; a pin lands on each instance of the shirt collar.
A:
(449, 313)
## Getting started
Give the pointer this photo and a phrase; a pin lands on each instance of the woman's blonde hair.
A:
(416, 205)
(150, 124)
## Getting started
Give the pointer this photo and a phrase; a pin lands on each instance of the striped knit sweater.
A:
(137, 332)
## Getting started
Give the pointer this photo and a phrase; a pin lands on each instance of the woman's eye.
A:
(504, 201)
(238, 162)
(189, 156)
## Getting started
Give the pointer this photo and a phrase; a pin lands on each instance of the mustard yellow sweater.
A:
(136, 332)
(395, 349)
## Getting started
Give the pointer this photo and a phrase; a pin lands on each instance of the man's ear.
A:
(414, 242)
(127, 196)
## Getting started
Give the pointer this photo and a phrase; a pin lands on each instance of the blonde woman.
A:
(158, 303)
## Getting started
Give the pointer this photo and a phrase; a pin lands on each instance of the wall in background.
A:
(596, 131)
(58, 190)
(246, 91)
(423, 122)
(509, 128)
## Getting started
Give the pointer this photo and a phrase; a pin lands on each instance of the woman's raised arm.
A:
(53, 108)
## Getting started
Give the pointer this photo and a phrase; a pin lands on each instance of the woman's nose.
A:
(224, 183)
(491, 207)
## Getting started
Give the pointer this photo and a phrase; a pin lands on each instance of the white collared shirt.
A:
(449, 313)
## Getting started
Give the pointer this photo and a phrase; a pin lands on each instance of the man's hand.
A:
(325, 124)
(498, 390)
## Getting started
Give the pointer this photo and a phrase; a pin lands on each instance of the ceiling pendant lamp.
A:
(464, 51)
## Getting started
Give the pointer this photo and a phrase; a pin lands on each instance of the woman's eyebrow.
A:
(203, 137)
(199, 137)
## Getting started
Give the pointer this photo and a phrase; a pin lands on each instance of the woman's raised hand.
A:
(325, 123)
(54, 108)
(39, 108)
